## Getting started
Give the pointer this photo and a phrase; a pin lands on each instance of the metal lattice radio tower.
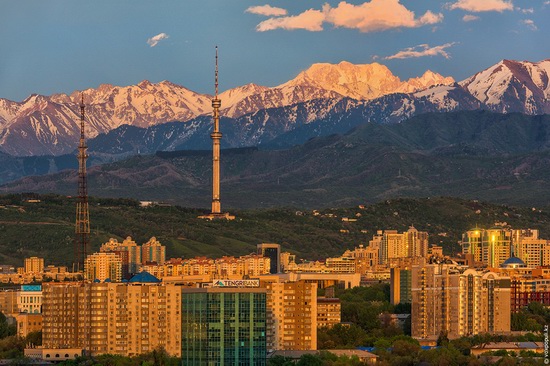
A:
(82, 226)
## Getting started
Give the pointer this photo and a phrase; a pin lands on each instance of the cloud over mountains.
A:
(370, 16)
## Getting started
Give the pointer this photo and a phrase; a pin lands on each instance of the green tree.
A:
(310, 360)
(280, 361)
(405, 348)
(4, 327)
(34, 338)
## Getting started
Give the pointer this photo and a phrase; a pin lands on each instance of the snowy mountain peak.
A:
(49, 125)
(363, 82)
(233, 96)
(513, 86)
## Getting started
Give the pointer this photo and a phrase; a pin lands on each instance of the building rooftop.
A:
(144, 277)
(513, 262)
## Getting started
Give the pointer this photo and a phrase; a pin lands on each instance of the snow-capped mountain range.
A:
(49, 125)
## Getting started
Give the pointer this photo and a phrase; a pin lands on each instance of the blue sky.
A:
(58, 46)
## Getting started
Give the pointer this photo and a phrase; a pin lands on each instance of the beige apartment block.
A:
(128, 250)
(28, 323)
(8, 302)
(221, 268)
(292, 316)
(102, 266)
(533, 250)
(391, 244)
(153, 252)
(118, 318)
(34, 265)
(459, 301)
(329, 312)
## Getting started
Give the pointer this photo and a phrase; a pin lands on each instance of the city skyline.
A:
(67, 46)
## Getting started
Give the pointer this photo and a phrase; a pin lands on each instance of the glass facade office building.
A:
(224, 326)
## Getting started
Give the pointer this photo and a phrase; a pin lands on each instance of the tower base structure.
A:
(218, 216)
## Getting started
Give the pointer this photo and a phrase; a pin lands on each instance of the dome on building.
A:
(144, 277)
(513, 262)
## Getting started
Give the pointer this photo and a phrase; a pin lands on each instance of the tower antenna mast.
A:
(82, 225)
(216, 136)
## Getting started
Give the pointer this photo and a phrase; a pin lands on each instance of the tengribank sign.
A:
(236, 283)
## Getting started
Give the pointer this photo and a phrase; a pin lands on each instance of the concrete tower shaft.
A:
(216, 139)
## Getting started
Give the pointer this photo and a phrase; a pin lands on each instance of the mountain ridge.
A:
(43, 125)
(503, 158)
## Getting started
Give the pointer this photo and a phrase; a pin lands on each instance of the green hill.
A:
(473, 155)
(46, 228)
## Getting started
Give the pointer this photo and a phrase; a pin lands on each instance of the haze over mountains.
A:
(321, 100)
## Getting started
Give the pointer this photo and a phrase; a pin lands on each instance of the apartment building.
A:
(459, 301)
(292, 315)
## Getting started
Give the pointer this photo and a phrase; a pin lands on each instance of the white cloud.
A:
(482, 5)
(376, 15)
(469, 18)
(372, 16)
(153, 41)
(311, 20)
(422, 50)
(526, 10)
(266, 10)
(530, 24)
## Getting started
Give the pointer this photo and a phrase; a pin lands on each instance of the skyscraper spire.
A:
(216, 136)
(82, 226)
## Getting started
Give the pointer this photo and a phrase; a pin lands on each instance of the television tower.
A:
(216, 136)
(82, 227)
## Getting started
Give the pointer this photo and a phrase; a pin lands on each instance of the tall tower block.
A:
(216, 136)
(82, 226)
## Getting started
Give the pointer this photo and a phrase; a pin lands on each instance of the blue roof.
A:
(513, 261)
(144, 277)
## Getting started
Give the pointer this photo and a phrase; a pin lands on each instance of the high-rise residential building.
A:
(129, 252)
(329, 312)
(29, 299)
(292, 315)
(530, 248)
(153, 252)
(103, 266)
(494, 246)
(472, 244)
(223, 326)
(391, 244)
(416, 242)
(34, 265)
(366, 258)
(273, 252)
(459, 301)
(118, 318)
